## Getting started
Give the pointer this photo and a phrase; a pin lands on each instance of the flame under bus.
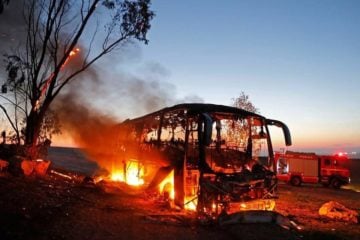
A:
(205, 157)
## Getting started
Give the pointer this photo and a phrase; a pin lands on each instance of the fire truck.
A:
(299, 167)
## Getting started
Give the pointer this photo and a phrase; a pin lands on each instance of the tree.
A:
(243, 102)
(238, 130)
(40, 70)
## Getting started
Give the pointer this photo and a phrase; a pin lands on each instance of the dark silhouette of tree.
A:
(243, 102)
(2, 4)
(63, 39)
(238, 130)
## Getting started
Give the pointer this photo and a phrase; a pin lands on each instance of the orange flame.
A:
(131, 174)
(117, 177)
(167, 185)
(191, 203)
(72, 53)
(50, 78)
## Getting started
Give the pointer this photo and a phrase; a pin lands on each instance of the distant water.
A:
(71, 159)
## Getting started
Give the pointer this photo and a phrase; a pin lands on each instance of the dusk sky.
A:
(299, 62)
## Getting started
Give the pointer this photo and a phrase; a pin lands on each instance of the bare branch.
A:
(54, 29)
(8, 117)
(91, 44)
(71, 47)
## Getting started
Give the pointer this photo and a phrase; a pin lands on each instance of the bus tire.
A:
(335, 183)
(295, 181)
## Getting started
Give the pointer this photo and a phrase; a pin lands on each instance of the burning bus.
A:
(205, 157)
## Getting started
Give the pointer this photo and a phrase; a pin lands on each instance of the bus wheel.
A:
(295, 181)
(335, 183)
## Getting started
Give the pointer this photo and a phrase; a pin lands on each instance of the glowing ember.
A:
(117, 177)
(190, 203)
(71, 54)
(213, 207)
(191, 189)
(167, 185)
(259, 204)
(132, 174)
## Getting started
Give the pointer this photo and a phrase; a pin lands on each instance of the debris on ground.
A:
(337, 211)
(170, 219)
(63, 175)
(38, 167)
(67, 205)
(3, 165)
(258, 216)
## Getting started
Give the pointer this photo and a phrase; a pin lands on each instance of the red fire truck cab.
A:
(297, 168)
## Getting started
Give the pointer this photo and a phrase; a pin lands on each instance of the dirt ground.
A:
(58, 208)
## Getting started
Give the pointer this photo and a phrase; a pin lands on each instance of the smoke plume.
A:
(92, 107)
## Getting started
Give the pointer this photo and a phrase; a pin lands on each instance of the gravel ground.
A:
(58, 208)
(55, 207)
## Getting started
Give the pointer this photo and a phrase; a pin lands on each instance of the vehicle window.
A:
(193, 141)
(282, 166)
(173, 127)
(327, 162)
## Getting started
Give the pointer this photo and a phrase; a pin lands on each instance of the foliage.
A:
(243, 102)
(238, 129)
(50, 126)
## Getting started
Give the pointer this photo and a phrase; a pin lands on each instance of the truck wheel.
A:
(335, 183)
(295, 181)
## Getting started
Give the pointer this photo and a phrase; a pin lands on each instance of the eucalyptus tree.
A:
(63, 38)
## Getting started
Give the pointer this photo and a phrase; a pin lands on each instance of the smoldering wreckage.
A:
(215, 162)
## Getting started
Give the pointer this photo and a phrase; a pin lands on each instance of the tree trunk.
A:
(32, 132)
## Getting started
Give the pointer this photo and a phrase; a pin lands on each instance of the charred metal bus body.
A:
(220, 155)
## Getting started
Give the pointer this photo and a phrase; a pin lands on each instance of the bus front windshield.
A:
(237, 144)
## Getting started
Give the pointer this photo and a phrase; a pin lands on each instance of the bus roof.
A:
(201, 108)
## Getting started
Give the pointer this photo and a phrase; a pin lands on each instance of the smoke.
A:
(93, 106)
(96, 101)
(91, 130)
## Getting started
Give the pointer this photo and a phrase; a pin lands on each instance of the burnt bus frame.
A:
(202, 111)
